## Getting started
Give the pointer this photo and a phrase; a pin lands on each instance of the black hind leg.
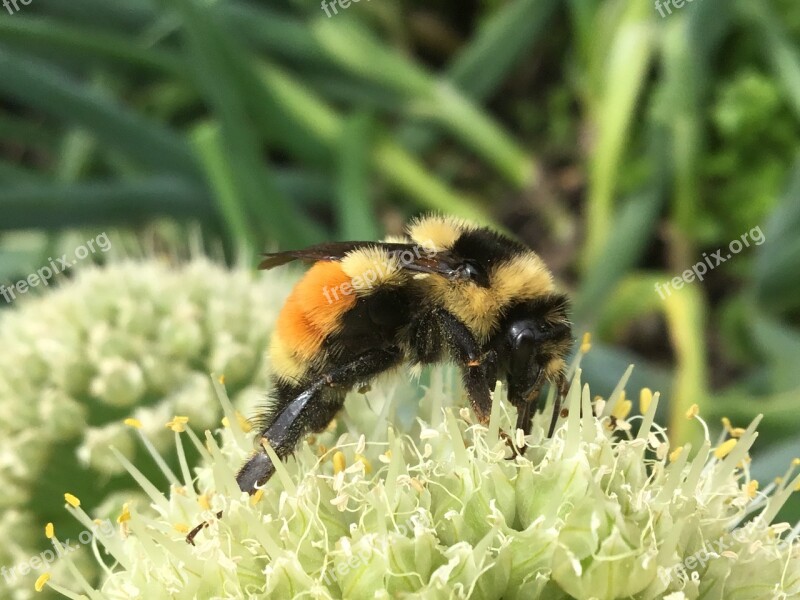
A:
(312, 410)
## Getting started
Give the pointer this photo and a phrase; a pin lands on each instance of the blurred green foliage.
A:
(618, 144)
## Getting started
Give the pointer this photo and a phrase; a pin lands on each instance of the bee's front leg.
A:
(562, 388)
(438, 328)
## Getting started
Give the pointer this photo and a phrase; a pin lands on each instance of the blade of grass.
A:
(343, 89)
(633, 229)
(509, 34)
(623, 76)
(25, 132)
(208, 141)
(58, 206)
(681, 110)
(776, 284)
(41, 87)
(11, 174)
(404, 172)
(779, 344)
(354, 209)
(216, 59)
(685, 313)
(357, 51)
(311, 188)
(688, 51)
(292, 102)
(48, 35)
(121, 15)
(274, 32)
(503, 40)
(781, 51)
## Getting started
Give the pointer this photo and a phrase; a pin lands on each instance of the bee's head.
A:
(532, 344)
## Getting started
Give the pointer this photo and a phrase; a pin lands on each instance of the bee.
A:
(447, 290)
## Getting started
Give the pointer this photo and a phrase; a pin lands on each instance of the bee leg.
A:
(562, 387)
(525, 411)
(437, 330)
(478, 391)
(477, 367)
(312, 410)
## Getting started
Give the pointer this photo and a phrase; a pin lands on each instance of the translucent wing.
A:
(413, 257)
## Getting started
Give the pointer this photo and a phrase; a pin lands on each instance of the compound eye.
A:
(474, 272)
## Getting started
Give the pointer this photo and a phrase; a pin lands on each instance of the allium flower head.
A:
(387, 506)
(130, 340)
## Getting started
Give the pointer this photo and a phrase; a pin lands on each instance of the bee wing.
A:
(331, 251)
(412, 256)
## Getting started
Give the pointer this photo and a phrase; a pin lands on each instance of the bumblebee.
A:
(448, 290)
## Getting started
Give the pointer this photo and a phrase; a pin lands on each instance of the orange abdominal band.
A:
(314, 309)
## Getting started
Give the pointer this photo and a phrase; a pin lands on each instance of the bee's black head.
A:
(532, 344)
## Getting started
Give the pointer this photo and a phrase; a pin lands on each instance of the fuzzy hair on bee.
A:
(446, 291)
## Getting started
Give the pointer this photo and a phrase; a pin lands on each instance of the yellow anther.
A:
(363, 460)
(221, 379)
(725, 448)
(72, 500)
(49, 531)
(693, 411)
(255, 498)
(622, 409)
(202, 500)
(586, 343)
(244, 424)
(125, 515)
(645, 400)
(41, 581)
(178, 424)
(181, 528)
(752, 488)
(135, 423)
(738, 432)
(675, 454)
(339, 462)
